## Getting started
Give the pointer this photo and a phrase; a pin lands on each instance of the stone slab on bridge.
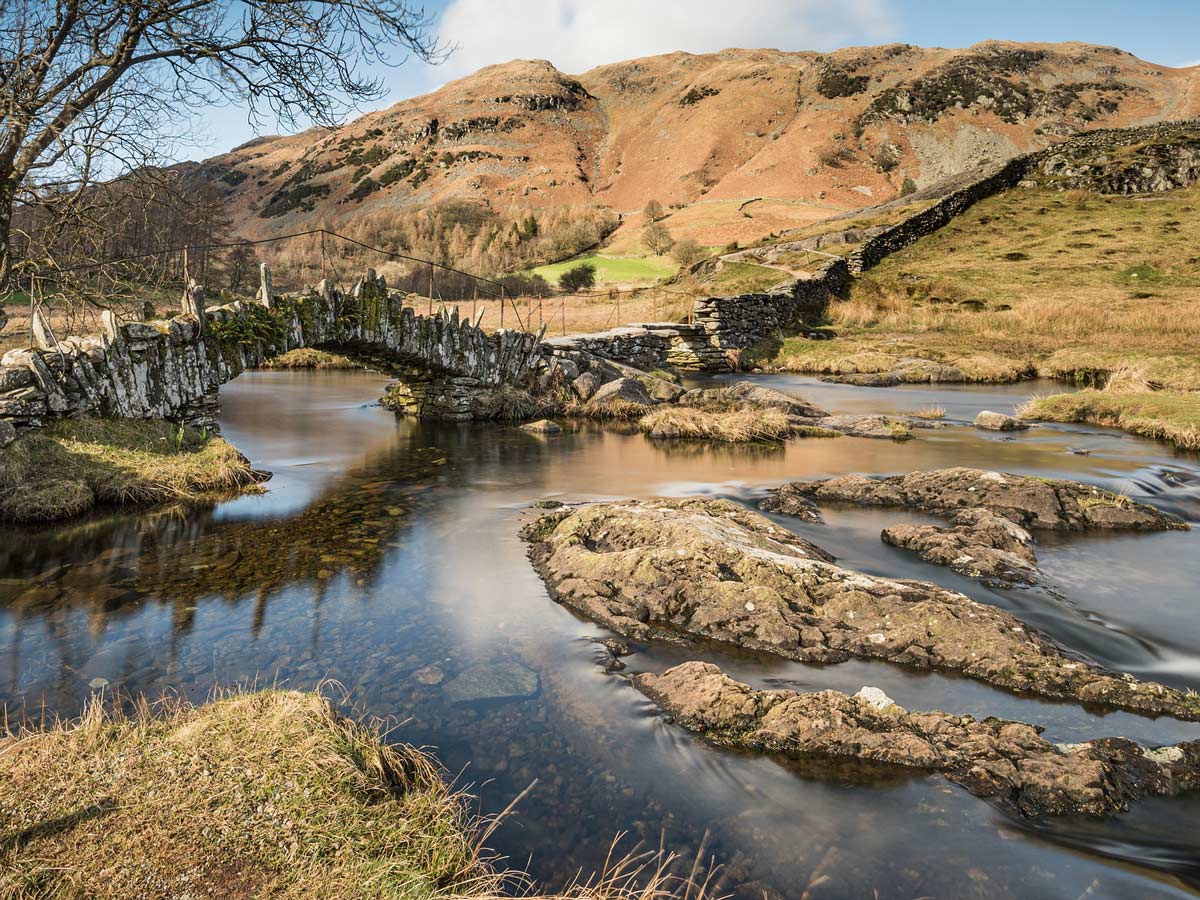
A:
(172, 369)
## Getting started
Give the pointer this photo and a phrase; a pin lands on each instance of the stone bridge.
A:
(172, 369)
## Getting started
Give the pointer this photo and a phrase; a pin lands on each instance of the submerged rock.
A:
(1030, 502)
(500, 680)
(994, 421)
(542, 426)
(704, 568)
(1007, 762)
(871, 426)
(979, 543)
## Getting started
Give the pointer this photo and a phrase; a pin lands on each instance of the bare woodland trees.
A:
(92, 90)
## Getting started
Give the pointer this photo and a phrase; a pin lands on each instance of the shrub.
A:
(687, 251)
(578, 278)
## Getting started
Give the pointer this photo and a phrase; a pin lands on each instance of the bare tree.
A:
(653, 211)
(90, 88)
(656, 238)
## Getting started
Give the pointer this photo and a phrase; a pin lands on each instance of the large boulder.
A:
(622, 390)
(586, 385)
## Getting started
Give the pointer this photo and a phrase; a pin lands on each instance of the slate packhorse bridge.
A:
(173, 368)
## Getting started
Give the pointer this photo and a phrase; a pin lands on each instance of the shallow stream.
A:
(385, 557)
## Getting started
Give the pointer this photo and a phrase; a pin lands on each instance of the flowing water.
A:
(385, 556)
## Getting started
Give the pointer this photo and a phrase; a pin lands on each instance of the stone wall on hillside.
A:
(1157, 157)
(741, 321)
(172, 369)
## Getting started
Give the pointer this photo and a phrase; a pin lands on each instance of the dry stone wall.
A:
(172, 369)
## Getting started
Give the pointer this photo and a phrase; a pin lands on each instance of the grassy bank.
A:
(1172, 416)
(308, 358)
(258, 794)
(269, 793)
(73, 465)
(1070, 285)
(614, 269)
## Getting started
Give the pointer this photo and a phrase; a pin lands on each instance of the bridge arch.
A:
(173, 368)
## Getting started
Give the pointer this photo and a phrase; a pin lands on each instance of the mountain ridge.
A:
(809, 134)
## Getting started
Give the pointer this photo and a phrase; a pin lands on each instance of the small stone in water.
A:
(429, 675)
(97, 683)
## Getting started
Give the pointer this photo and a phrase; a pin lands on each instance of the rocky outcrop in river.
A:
(987, 536)
(709, 569)
(1007, 762)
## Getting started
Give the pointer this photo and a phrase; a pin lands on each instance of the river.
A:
(385, 558)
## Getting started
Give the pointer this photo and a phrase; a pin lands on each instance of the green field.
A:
(614, 269)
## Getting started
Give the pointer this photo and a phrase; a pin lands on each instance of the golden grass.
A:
(1071, 286)
(308, 358)
(70, 466)
(269, 793)
(929, 412)
(1171, 416)
(738, 425)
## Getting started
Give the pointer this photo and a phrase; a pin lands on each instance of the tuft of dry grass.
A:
(614, 410)
(308, 358)
(738, 425)
(265, 793)
(928, 412)
(252, 794)
(73, 465)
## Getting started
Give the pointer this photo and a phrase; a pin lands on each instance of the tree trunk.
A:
(6, 258)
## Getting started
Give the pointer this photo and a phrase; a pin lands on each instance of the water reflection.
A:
(386, 557)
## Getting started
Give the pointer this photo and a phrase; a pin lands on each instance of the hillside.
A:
(802, 136)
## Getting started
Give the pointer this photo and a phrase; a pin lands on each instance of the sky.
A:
(576, 35)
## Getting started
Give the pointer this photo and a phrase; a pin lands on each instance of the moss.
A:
(308, 358)
(73, 465)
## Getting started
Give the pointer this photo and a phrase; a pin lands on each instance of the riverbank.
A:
(1171, 416)
(253, 794)
(74, 465)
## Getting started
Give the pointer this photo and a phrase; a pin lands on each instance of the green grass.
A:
(1171, 416)
(745, 278)
(71, 466)
(308, 358)
(614, 269)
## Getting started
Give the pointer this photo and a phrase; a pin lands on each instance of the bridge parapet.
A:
(173, 368)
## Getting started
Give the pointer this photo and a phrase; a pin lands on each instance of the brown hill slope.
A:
(811, 134)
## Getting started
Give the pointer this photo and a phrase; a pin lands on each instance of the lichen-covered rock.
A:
(704, 568)
(869, 426)
(542, 426)
(625, 390)
(8, 433)
(787, 500)
(1030, 502)
(1006, 762)
(994, 421)
(979, 543)
(904, 371)
(585, 385)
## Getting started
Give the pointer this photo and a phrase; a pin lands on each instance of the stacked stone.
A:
(172, 369)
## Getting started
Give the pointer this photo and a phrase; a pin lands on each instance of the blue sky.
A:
(578, 34)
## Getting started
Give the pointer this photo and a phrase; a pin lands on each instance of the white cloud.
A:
(576, 35)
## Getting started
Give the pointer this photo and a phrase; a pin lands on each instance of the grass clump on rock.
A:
(70, 466)
(262, 794)
(308, 358)
(736, 425)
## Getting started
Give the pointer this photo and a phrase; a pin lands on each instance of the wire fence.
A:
(73, 296)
